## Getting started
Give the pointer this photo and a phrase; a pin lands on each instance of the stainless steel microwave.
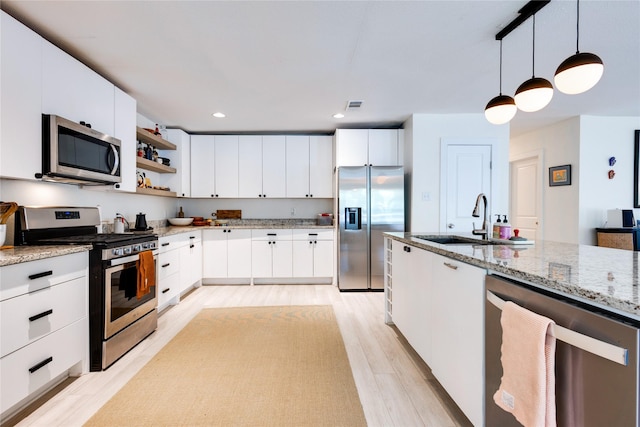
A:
(76, 154)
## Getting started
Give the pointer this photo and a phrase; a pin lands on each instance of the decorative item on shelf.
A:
(141, 177)
(154, 154)
(156, 131)
(140, 149)
(559, 175)
(612, 161)
(611, 173)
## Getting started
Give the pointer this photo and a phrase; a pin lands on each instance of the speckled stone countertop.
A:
(20, 254)
(246, 224)
(602, 277)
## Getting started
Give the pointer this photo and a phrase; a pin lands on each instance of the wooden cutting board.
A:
(229, 214)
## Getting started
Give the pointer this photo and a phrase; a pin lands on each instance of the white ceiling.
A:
(287, 66)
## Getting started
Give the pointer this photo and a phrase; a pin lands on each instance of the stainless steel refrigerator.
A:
(370, 202)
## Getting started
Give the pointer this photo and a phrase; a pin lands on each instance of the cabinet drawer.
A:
(61, 349)
(29, 317)
(167, 288)
(316, 234)
(266, 234)
(175, 241)
(168, 264)
(31, 276)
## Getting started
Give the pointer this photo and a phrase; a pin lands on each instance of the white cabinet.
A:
(180, 182)
(191, 260)
(202, 162)
(43, 326)
(262, 166)
(309, 166)
(358, 147)
(271, 254)
(21, 100)
(312, 253)
(179, 266)
(125, 131)
(226, 166)
(226, 254)
(458, 333)
(72, 90)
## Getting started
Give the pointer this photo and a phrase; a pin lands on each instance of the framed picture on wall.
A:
(636, 175)
(559, 175)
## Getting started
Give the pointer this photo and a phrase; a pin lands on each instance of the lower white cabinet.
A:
(312, 253)
(271, 254)
(178, 266)
(226, 254)
(191, 260)
(43, 326)
(438, 305)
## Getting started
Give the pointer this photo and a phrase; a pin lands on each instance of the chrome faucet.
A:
(484, 231)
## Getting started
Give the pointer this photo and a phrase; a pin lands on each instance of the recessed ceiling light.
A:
(219, 115)
(338, 116)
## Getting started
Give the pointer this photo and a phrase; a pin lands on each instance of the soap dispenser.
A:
(505, 228)
(496, 228)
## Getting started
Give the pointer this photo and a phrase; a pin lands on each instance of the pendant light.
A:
(580, 72)
(502, 108)
(535, 93)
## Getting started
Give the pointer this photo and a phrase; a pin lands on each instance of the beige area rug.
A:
(244, 366)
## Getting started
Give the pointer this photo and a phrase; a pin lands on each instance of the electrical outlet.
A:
(293, 211)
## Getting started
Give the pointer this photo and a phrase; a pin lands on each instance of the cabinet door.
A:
(72, 90)
(261, 258)
(214, 254)
(352, 147)
(458, 333)
(180, 182)
(125, 131)
(401, 297)
(383, 147)
(21, 100)
(239, 253)
(282, 258)
(323, 258)
(303, 258)
(297, 166)
(250, 166)
(226, 165)
(202, 163)
(321, 166)
(274, 183)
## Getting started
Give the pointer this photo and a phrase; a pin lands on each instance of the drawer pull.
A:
(451, 266)
(166, 290)
(192, 246)
(313, 234)
(166, 265)
(271, 234)
(41, 315)
(39, 275)
(192, 237)
(165, 244)
(42, 364)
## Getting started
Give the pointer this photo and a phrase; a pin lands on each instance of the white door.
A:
(250, 166)
(468, 173)
(238, 253)
(214, 254)
(297, 166)
(273, 166)
(323, 258)
(303, 258)
(383, 147)
(226, 165)
(321, 166)
(202, 163)
(526, 196)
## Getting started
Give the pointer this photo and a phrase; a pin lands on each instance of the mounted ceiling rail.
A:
(525, 13)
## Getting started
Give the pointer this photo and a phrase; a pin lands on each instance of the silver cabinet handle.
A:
(451, 266)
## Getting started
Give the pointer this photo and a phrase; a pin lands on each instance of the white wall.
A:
(601, 138)
(423, 135)
(571, 213)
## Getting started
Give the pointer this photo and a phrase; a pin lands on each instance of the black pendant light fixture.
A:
(502, 108)
(579, 72)
(535, 93)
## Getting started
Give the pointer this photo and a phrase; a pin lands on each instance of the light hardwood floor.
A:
(396, 388)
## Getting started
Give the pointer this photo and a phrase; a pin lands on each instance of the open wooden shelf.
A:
(154, 192)
(154, 140)
(150, 165)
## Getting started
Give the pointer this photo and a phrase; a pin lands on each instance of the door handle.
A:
(451, 266)
(451, 225)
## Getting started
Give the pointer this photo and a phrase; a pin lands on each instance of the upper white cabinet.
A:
(180, 182)
(202, 161)
(309, 166)
(226, 165)
(250, 166)
(273, 166)
(358, 147)
(262, 166)
(125, 130)
(20, 97)
(72, 90)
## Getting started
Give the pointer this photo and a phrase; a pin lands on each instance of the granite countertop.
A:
(246, 224)
(20, 254)
(603, 277)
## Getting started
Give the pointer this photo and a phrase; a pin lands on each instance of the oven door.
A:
(122, 307)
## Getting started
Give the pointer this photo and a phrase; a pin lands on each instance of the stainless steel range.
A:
(119, 316)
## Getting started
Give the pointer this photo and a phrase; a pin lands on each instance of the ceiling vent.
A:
(353, 105)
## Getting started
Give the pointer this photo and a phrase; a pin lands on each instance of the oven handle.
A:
(124, 260)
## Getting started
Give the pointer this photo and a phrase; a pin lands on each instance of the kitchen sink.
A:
(454, 240)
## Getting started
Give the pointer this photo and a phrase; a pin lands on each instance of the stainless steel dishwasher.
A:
(591, 390)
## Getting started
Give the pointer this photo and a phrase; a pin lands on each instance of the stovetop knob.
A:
(117, 251)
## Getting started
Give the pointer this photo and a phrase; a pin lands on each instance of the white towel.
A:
(527, 387)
